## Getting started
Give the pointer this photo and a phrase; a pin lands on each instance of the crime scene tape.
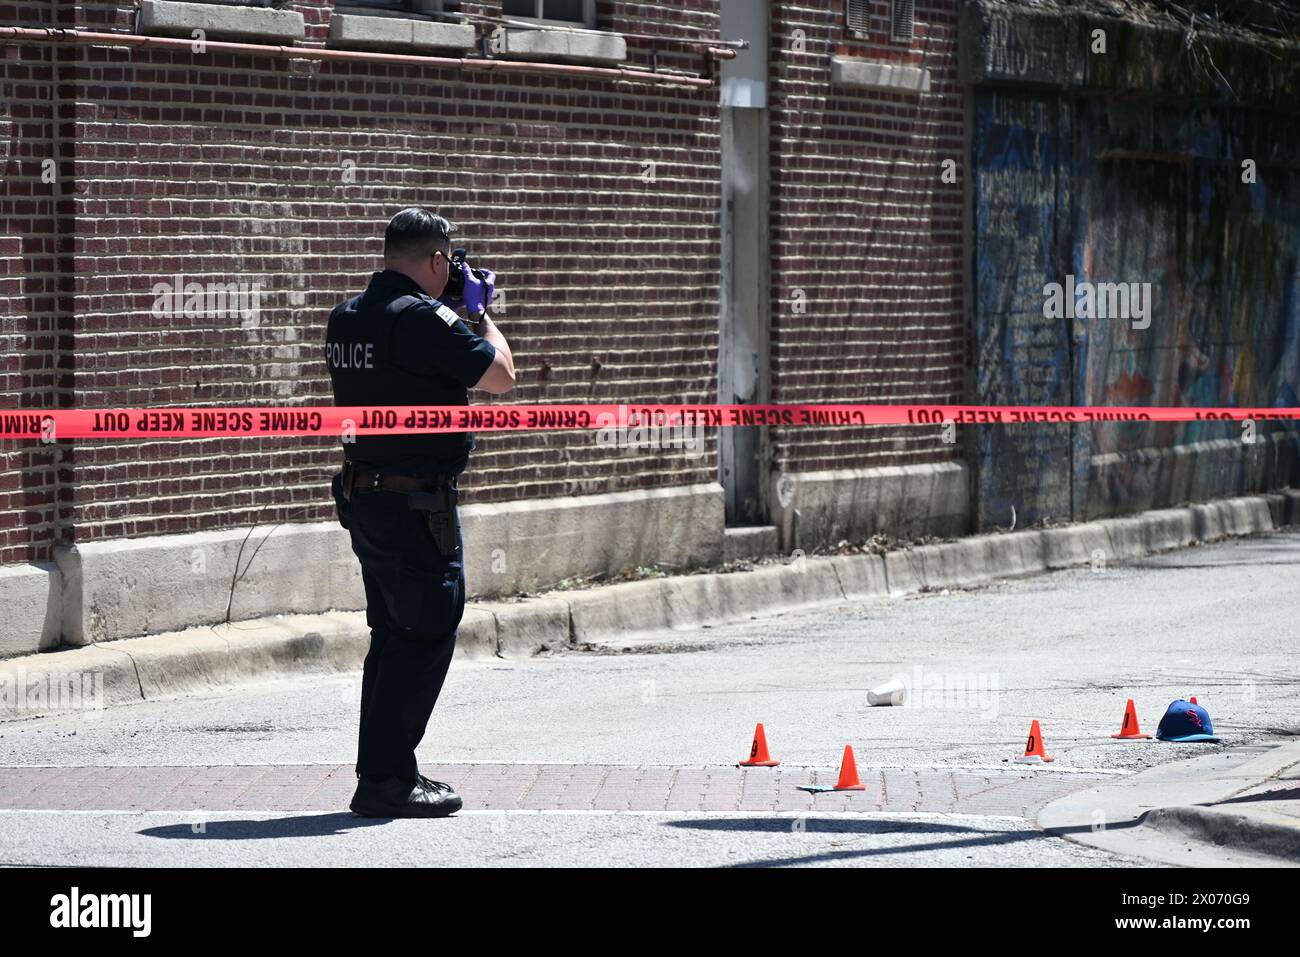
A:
(350, 421)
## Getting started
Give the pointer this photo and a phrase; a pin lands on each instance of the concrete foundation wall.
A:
(31, 599)
(102, 591)
(530, 545)
(1122, 483)
(816, 509)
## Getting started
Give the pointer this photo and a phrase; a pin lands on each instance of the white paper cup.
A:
(890, 693)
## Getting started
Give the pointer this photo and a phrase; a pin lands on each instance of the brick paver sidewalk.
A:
(539, 787)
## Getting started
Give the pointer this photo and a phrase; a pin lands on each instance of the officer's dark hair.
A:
(415, 233)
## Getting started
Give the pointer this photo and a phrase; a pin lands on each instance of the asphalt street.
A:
(650, 735)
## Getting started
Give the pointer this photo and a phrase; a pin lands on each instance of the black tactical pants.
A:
(415, 597)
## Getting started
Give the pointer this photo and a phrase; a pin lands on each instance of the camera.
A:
(455, 288)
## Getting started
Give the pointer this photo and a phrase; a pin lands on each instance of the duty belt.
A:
(355, 480)
(434, 495)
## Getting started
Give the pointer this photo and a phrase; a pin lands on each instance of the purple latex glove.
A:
(478, 293)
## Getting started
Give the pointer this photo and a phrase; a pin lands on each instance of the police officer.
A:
(398, 344)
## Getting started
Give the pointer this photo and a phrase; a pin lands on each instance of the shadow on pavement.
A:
(821, 825)
(978, 837)
(311, 825)
(960, 836)
(1281, 794)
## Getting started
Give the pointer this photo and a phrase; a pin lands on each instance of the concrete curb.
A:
(1176, 813)
(200, 659)
(1223, 829)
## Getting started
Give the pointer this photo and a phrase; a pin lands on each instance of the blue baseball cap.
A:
(1184, 721)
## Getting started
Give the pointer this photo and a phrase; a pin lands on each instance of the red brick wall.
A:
(35, 276)
(234, 168)
(237, 168)
(863, 225)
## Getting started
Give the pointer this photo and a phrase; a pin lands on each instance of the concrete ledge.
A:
(124, 588)
(749, 542)
(636, 606)
(1277, 507)
(1136, 481)
(220, 21)
(903, 573)
(536, 544)
(559, 44)
(820, 509)
(1237, 516)
(361, 32)
(984, 557)
(878, 75)
(977, 559)
(198, 660)
(807, 581)
(31, 596)
(1291, 506)
(1075, 545)
(614, 612)
(109, 672)
(1135, 537)
(203, 659)
(861, 576)
(1249, 834)
(477, 636)
(525, 628)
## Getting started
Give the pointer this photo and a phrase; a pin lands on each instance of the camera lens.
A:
(455, 287)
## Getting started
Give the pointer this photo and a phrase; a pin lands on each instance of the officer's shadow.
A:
(306, 825)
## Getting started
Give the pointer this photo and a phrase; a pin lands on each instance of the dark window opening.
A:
(407, 5)
(902, 20)
(855, 15)
(562, 11)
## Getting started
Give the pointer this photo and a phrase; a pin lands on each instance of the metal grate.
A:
(902, 20)
(855, 13)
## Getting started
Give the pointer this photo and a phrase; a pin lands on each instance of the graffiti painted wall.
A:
(1022, 358)
(1216, 264)
(1125, 253)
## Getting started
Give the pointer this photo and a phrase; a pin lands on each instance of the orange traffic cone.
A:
(1034, 747)
(849, 773)
(758, 756)
(848, 780)
(1129, 728)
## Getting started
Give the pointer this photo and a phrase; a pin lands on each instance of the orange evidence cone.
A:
(849, 773)
(1034, 747)
(848, 780)
(758, 756)
(1129, 728)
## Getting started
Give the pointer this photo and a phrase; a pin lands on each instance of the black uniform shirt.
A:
(396, 345)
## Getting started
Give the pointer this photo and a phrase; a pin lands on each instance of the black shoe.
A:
(398, 797)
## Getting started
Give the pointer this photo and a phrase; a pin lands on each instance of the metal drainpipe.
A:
(88, 38)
